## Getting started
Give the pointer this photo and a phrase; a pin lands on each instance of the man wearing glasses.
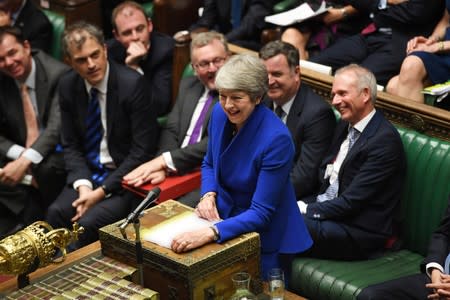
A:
(184, 139)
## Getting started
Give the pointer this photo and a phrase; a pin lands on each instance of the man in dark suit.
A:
(35, 26)
(244, 30)
(361, 176)
(381, 47)
(147, 51)
(28, 141)
(180, 148)
(431, 283)
(309, 118)
(108, 128)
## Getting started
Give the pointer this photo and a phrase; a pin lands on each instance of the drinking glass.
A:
(276, 284)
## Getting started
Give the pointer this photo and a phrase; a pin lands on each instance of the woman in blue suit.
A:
(245, 172)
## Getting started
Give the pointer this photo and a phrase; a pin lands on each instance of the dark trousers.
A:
(105, 212)
(408, 287)
(331, 241)
(375, 52)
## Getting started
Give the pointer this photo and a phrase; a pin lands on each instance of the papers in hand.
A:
(296, 15)
(163, 233)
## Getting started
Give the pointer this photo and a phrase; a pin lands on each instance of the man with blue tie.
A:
(434, 280)
(361, 177)
(184, 138)
(108, 128)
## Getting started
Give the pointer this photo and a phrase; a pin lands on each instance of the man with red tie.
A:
(29, 131)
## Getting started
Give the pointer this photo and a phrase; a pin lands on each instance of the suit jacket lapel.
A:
(111, 99)
(365, 135)
(296, 110)
(192, 97)
(41, 88)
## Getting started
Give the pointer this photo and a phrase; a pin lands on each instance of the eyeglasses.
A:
(204, 64)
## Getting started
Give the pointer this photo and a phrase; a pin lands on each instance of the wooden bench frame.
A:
(426, 119)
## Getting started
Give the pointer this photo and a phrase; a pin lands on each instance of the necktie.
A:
(29, 116)
(236, 13)
(369, 29)
(201, 118)
(279, 112)
(94, 134)
(447, 265)
(332, 190)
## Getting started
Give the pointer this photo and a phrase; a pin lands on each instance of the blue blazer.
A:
(250, 173)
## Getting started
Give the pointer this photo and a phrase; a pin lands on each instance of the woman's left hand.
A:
(191, 240)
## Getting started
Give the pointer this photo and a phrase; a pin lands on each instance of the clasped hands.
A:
(190, 240)
(87, 198)
(421, 43)
(440, 284)
(14, 171)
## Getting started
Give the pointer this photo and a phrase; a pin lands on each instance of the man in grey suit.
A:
(309, 118)
(32, 171)
(184, 139)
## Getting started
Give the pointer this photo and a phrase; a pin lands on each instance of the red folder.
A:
(171, 188)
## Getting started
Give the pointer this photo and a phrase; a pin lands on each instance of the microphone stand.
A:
(139, 252)
(138, 246)
(134, 217)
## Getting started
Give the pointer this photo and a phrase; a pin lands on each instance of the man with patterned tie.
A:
(108, 128)
(309, 118)
(29, 131)
(361, 176)
(183, 141)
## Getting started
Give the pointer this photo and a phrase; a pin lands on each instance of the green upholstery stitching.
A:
(58, 22)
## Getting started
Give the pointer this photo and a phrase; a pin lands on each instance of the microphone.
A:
(149, 199)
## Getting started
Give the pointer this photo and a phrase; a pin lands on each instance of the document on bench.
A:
(296, 15)
(163, 233)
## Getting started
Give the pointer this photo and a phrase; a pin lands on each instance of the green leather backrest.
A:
(188, 71)
(58, 22)
(427, 187)
(148, 8)
(285, 5)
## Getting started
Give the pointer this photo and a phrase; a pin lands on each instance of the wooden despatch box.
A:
(204, 273)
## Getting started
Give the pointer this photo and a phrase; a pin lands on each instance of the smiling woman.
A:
(245, 173)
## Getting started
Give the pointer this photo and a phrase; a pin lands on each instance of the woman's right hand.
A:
(207, 209)
(417, 43)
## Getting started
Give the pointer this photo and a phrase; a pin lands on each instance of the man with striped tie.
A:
(108, 128)
(360, 178)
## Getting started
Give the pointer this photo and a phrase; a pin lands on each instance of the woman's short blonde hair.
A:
(245, 73)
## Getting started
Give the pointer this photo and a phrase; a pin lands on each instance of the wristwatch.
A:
(216, 233)
(106, 191)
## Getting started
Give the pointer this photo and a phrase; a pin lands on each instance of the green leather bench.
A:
(58, 22)
(423, 203)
